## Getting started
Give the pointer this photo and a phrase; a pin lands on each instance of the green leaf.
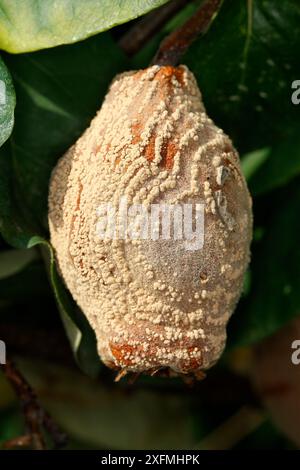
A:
(11, 424)
(27, 285)
(282, 165)
(252, 161)
(13, 225)
(245, 66)
(7, 103)
(28, 25)
(274, 298)
(109, 417)
(14, 261)
(80, 334)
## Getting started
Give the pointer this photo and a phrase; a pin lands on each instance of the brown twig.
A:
(58, 436)
(176, 44)
(132, 41)
(35, 416)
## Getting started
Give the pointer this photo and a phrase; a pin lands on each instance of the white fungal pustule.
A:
(153, 302)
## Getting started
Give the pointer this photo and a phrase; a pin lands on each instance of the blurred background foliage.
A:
(245, 65)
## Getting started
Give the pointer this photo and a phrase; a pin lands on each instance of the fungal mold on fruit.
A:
(153, 304)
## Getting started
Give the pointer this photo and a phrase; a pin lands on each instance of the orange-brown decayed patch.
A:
(164, 77)
(150, 149)
(164, 73)
(168, 152)
(167, 72)
(168, 149)
(122, 353)
(193, 363)
(136, 130)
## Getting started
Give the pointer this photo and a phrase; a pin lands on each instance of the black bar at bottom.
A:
(138, 459)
